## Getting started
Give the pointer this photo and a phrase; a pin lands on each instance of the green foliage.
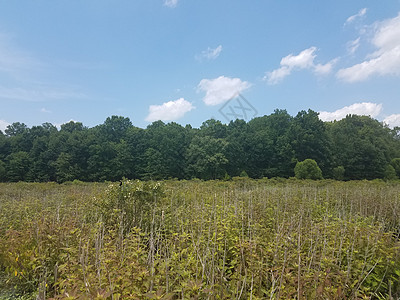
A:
(15, 129)
(115, 128)
(308, 169)
(338, 173)
(363, 146)
(129, 203)
(395, 162)
(390, 173)
(72, 126)
(240, 239)
(18, 166)
(66, 170)
(2, 171)
(309, 139)
(267, 146)
(243, 174)
(206, 158)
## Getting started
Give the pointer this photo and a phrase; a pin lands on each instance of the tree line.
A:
(356, 147)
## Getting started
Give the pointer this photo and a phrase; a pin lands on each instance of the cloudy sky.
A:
(187, 60)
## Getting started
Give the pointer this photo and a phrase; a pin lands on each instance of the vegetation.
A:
(354, 148)
(238, 239)
(308, 169)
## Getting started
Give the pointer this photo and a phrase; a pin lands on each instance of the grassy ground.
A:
(242, 239)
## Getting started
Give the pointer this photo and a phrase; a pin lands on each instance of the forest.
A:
(354, 148)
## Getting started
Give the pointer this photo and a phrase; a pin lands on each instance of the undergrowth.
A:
(240, 239)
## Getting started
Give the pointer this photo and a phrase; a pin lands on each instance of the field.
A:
(238, 239)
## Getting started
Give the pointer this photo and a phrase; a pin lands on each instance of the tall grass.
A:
(243, 239)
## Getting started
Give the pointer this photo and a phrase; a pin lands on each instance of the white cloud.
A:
(362, 109)
(210, 53)
(392, 120)
(3, 125)
(171, 3)
(387, 34)
(221, 89)
(385, 60)
(326, 68)
(304, 60)
(352, 46)
(169, 111)
(360, 14)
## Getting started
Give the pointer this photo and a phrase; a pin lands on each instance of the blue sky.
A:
(187, 60)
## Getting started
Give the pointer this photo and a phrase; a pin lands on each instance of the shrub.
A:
(338, 173)
(243, 174)
(396, 165)
(308, 169)
(390, 173)
(129, 202)
(2, 170)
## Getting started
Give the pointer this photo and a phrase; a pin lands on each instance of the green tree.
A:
(42, 169)
(5, 147)
(72, 126)
(170, 142)
(15, 129)
(100, 161)
(338, 173)
(308, 169)
(136, 144)
(361, 145)
(66, 169)
(395, 162)
(2, 171)
(259, 148)
(18, 166)
(309, 139)
(123, 163)
(206, 158)
(155, 167)
(41, 157)
(268, 146)
(390, 173)
(213, 128)
(115, 128)
(237, 133)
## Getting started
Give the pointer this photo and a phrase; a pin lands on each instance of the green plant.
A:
(308, 169)
(239, 239)
(390, 173)
(338, 173)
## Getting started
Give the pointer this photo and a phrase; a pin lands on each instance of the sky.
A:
(187, 61)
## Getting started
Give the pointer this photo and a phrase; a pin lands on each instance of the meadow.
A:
(237, 239)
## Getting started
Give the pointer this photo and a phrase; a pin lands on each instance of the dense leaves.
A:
(357, 147)
(243, 239)
(308, 169)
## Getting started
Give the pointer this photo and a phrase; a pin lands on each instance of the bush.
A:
(308, 169)
(338, 173)
(2, 171)
(129, 202)
(396, 165)
(243, 174)
(390, 173)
